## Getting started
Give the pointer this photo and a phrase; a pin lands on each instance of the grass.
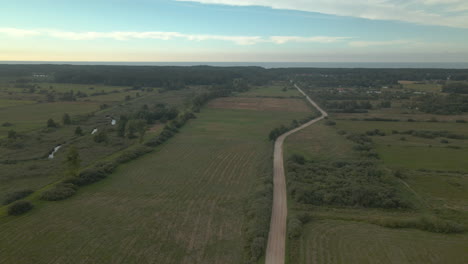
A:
(275, 90)
(443, 190)
(333, 241)
(355, 235)
(32, 116)
(424, 157)
(414, 152)
(181, 204)
(424, 87)
(322, 142)
(9, 103)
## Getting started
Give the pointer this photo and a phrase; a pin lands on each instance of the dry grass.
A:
(261, 104)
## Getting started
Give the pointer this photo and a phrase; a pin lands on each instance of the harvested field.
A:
(261, 104)
(181, 204)
(332, 241)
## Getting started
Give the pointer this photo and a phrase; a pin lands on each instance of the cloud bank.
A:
(158, 35)
(451, 13)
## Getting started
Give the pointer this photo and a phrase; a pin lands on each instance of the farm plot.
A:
(333, 241)
(415, 152)
(276, 90)
(323, 142)
(33, 116)
(181, 204)
(261, 104)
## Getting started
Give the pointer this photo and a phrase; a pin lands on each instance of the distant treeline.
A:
(150, 76)
(206, 75)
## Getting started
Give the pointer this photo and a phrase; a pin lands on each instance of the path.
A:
(276, 248)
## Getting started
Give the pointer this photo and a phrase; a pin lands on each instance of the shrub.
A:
(426, 223)
(294, 228)
(299, 159)
(330, 123)
(51, 123)
(7, 124)
(101, 136)
(59, 192)
(11, 197)
(19, 207)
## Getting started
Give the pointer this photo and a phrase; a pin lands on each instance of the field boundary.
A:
(276, 246)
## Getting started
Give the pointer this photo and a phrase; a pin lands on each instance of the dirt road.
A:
(276, 247)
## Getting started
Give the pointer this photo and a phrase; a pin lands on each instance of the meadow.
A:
(183, 203)
(278, 89)
(432, 177)
(335, 241)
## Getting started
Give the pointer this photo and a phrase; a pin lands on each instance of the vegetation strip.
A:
(275, 253)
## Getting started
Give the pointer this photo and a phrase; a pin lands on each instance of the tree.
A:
(66, 119)
(78, 131)
(101, 136)
(51, 123)
(19, 207)
(73, 160)
(12, 134)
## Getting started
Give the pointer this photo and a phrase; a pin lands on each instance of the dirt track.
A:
(275, 252)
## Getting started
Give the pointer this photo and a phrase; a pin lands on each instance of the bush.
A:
(294, 228)
(19, 207)
(330, 123)
(426, 223)
(14, 196)
(132, 154)
(59, 192)
(51, 123)
(7, 124)
(299, 159)
(92, 175)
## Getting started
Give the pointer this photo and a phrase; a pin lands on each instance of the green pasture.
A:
(181, 204)
(275, 90)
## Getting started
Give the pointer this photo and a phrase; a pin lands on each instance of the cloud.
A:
(16, 32)
(318, 39)
(363, 44)
(451, 13)
(129, 35)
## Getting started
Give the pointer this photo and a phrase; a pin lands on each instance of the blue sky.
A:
(235, 30)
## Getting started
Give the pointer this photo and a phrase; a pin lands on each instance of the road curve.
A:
(276, 247)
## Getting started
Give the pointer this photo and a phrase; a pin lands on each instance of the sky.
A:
(234, 30)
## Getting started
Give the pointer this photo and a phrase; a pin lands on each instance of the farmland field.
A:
(181, 204)
(32, 116)
(275, 90)
(406, 151)
(333, 241)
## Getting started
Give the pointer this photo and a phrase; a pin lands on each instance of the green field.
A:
(332, 241)
(181, 204)
(318, 142)
(424, 87)
(271, 91)
(415, 152)
(33, 116)
(355, 235)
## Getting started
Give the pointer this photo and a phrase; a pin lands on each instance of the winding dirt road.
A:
(276, 247)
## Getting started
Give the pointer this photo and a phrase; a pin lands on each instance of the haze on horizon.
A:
(235, 30)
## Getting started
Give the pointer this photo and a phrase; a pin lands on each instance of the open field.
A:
(275, 90)
(261, 104)
(318, 142)
(332, 241)
(34, 171)
(181, 204)
(407, 151)
(424, 87)
(33, 116)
